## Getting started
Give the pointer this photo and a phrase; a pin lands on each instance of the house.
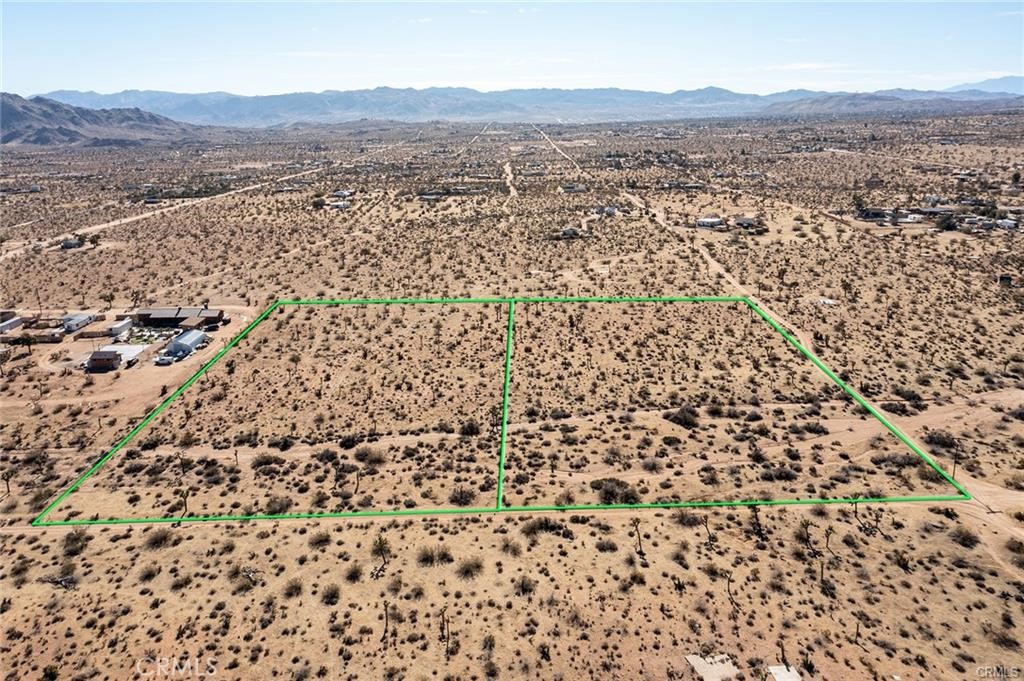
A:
(745, 222)
(73, 242)
(74, 322)
(874, 182)
(1007, 223)
(186, 343)
(175, 316)
(343, 193)
(10, 324)
(119, 327)
(873, 213)
(103, 360)
(340, 205)
(710, 222)
(573, 188)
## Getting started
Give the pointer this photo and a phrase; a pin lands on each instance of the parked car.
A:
(164, 361)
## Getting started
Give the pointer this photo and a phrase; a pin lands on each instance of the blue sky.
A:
(272, 48)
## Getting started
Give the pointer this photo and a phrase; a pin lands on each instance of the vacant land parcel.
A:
(483, 405)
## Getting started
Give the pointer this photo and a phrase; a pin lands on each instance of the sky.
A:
(272, 48)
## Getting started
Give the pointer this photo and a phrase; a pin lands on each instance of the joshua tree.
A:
(382, 549)
(639, 540)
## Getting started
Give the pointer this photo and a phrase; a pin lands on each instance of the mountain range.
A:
(529, 105)
(137, 117)
(44, 122)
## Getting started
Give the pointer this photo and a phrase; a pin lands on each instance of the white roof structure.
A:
(718, 668)
(187, 342)
(784, 673)
(127, 352)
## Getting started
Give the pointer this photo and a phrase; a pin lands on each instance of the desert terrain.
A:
(883, 246)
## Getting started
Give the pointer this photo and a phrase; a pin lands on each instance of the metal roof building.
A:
(186, 343)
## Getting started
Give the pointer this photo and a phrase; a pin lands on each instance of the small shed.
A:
(103, 360)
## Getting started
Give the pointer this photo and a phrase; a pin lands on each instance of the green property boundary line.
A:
(500, 507)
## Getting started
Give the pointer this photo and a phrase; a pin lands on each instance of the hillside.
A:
(43, 122)
(857, 104)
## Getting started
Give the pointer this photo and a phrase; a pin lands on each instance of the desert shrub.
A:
(546, 525)
(319, 540)
(462, 496)
(651, 465)
(283, 442)
(606, 546)
(524, 586)
(615, 491)
(354, 573)
(510, 547)
(685, 416)
(293, 588)
(277, 505)
(964, 537)
(470, 568)
(264, 460)
(158, 538)
(330, 595)
(940, 438)
(896, 459)
(369, 456)
(781, 473)
(687, 518)
(469, 428)
(428, 556)
(75, 542)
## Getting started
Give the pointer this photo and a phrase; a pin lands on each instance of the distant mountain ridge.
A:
(1010, 84)
(521, 105)
(44, 122)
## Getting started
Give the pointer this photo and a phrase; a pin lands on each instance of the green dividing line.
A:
(515, 299)
(415, 512)
(153, 414)
(857, 397)
(504, 400)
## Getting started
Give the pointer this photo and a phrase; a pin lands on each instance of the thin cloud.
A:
(802, 66)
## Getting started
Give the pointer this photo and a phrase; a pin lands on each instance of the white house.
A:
(73, 322)
(119, 327)
(710, 222)
(10, 324)
(186, 343)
